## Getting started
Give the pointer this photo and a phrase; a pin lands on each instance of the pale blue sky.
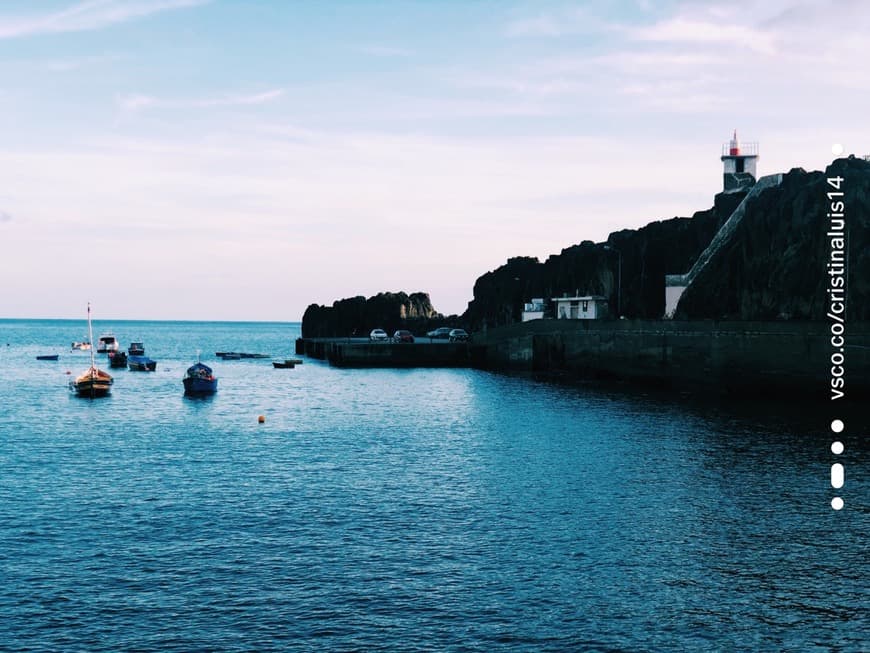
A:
(195, 159)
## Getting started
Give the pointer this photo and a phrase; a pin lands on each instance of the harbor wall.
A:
(343, 352)
(747, 358)
(782, 358)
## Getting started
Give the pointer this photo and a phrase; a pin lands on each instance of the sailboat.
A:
(92, 382)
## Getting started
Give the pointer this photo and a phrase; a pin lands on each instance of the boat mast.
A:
(91, 340)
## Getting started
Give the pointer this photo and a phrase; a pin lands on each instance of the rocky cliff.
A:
(774, 264)
(644, 255)
(358, 315)
(771, 266)
(768, 266)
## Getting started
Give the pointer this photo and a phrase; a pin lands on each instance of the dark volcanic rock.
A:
(358, 315)
(648, 254)
(774, 265)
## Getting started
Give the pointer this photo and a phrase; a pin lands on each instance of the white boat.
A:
(106, 343)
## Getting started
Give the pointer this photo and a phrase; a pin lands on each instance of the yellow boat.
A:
(92, 382)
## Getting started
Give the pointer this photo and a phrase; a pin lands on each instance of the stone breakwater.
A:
(735, 358)
(359, 352)
(742, 359)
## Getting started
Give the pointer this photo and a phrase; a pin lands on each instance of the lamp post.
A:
(618, 280)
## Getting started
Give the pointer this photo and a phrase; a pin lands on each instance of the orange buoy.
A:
(261, 419)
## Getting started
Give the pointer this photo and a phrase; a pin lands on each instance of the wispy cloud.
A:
(5, 217)
(689, 58)
(75, 63)
(557, 23)
(136, 101)
(541, 25)
(530, 82)
(89, 15)
(687, 31)
(379, 50)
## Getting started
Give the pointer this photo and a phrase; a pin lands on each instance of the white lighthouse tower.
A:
(739, 159)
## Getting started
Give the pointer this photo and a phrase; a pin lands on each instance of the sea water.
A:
(437, 509)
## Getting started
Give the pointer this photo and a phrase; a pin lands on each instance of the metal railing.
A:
(745, 149)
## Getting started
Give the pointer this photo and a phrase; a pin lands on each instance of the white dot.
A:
(837, 426)
(837, 448)
(837, 149)
(837, 503)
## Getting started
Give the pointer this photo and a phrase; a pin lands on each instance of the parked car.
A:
(440, 332)
(378, 335)
(458, 335)
(403, 335)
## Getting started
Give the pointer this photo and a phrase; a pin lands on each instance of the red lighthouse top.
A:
(734, 145)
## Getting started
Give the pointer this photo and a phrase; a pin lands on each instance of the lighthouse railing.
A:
(744, 149)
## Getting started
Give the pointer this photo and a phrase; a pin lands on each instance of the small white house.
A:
(588, 307)
(534, 310)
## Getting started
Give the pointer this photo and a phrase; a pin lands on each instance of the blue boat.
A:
(200, 380)
(141, 363)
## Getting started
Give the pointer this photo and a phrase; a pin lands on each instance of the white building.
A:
(534, 310)
(588, 307)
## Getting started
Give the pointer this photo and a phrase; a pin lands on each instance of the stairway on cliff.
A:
(724, 234)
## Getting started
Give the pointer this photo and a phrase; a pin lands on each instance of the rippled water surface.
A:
(408, 510)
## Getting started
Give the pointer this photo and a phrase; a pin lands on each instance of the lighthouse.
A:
(739, 160)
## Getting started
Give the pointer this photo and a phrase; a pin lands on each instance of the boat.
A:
(288, 363)
(92, 382)
(106, 343)
(142, 364)
(48, 357)
(81, 346)
(136, 349)
(117, 359)
(228, 355)
(235, 355)
(200, 380)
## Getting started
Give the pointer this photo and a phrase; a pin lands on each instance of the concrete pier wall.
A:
(768, 358)
(742, 358)
(345, 352)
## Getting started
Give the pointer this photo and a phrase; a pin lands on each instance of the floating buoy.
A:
(261, 419)
(68, 372)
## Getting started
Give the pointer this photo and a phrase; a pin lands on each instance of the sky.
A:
(241, 159)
